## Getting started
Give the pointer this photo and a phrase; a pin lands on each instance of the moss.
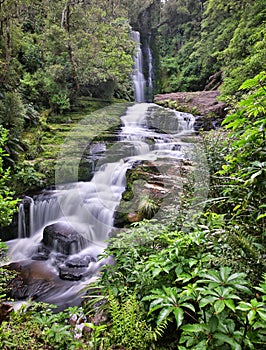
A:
(44, 142)
(138, 200)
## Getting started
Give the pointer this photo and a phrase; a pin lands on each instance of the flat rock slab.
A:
(204, 102)
(34, 279)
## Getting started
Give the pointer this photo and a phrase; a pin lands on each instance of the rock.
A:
(148, 190)
(134, 217)
(41, 254)
(206, 124)
(73, 273)
(33, 280)
(80, 262)
(203, 103)
(62, 238)
(5, 310)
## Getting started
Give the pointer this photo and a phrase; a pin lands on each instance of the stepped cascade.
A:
(63, 231)
(69, 226)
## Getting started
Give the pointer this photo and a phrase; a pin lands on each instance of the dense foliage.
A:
(53, 51)
(202, 282)
(7, 203)
(206, 42)
(52, 55)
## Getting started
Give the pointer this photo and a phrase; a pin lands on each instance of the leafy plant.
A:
(8, 205)
(171, 303)
(246, 184)
(37, 326)
(128, 326)
(147, 207)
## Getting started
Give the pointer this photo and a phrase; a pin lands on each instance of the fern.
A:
(246, 242)
(159, 330)
(128, 326)
(95, 298)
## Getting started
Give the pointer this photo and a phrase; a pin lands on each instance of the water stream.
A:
(148, 132)
(63, 231)
(138, 76)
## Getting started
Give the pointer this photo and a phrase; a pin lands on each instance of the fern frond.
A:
(95, 298)
(159, 330)
(247, 243)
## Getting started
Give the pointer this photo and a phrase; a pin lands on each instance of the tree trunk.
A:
(65, 23)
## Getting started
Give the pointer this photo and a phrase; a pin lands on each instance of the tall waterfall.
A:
(150, 70)
(138, 77)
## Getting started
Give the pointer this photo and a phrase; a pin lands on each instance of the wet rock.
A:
(62, 238)
(73, 273)
(203, 103)
(207, 124)
(41, 254)
(80, 261)
(34, 279)
(5, 310)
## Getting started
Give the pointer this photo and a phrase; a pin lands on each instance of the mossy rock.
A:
(138, 201)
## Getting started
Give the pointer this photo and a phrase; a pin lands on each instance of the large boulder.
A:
(63, 238)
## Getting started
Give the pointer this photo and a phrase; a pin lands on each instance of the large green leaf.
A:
(213, 323)
(193, 328)
(179, 316)
(164, 314)
(228, 340)
(262, 314)
(219, 306)
(230, 303)
(208, 300)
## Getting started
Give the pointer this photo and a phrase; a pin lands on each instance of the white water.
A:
(150, 66)
(148, 132)
(138, 77)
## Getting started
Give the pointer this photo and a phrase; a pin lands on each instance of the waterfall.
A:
(138, 77)
(89, 206)
(150, 70)
(25, 217)
(87, 209)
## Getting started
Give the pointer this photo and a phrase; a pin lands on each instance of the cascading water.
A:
(68, 227)
(87, 208)
(138, 77)
(150, 70)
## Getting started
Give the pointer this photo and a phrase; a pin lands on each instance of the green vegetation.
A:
(57, 59)
(202, 281)
(7, 203)
(208, 42)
